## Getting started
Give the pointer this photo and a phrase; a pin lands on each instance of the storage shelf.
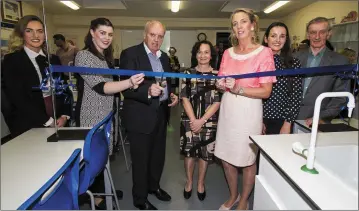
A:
(340, 24)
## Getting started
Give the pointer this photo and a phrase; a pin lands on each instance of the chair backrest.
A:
(61, 191)
(95, 152)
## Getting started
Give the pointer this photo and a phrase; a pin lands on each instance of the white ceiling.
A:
(188, 9)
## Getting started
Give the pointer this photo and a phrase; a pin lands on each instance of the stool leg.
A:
(123, 149)
(107, 168)
(92, 199)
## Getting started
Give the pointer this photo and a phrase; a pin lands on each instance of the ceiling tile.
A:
(104, 4)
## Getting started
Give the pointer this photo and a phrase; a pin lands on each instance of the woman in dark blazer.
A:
(23, 69)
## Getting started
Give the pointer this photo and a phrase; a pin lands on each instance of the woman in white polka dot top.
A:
(282, 107)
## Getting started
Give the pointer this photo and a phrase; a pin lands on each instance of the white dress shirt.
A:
(157, 67)
(32, 55)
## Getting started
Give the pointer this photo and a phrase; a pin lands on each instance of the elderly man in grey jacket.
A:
(318, 31)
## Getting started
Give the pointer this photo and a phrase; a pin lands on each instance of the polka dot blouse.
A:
(284, 101)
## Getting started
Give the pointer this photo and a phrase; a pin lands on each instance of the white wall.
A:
(50, 28)
(183, 41)
(77, 26)
(139, 22)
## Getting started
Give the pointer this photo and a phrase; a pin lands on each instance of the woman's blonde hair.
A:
(16, 40)
(254, 20)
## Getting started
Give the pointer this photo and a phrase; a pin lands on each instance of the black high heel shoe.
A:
(187, 194)
(201, 196)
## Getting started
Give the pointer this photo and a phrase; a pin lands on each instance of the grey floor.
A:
(173, 178)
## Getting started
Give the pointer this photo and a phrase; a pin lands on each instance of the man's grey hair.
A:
(153, 22)
(319, 20)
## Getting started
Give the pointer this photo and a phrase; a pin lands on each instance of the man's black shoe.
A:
(161, 195)
(145, 206)
(119, 194)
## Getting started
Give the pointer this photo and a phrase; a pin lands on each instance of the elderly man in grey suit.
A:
(318, 31)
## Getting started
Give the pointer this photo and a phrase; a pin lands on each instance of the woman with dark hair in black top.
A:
(282, 107)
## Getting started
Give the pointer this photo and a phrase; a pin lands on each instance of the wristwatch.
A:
(241, 91)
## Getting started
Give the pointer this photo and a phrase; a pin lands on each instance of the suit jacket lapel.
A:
(304, 58)
(144, 60)
(166, 68)
(31, 73)
(327, 58)
(42, 63)
(164, 62)
(313, 81)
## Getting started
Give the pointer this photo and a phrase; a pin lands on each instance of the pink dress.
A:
(239, 116)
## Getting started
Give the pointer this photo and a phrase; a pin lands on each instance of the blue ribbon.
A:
(57, 84)
(287, 72)
(342, 71)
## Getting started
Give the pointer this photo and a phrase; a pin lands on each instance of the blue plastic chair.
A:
(95, 159)
(61, 190)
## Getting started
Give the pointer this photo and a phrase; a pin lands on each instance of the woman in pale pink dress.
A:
(241, 106)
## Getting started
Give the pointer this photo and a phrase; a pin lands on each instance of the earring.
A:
(252, 29)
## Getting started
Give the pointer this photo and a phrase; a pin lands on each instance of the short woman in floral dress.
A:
(200, 102)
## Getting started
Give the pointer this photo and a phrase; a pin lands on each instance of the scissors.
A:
(162, 82)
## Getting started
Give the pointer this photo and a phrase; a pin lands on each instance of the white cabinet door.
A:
(278, 192)
(263, 200)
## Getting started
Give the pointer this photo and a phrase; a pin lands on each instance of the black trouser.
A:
(148, 158)
(273, 126)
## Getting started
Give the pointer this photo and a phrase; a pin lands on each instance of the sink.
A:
(341, 162)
